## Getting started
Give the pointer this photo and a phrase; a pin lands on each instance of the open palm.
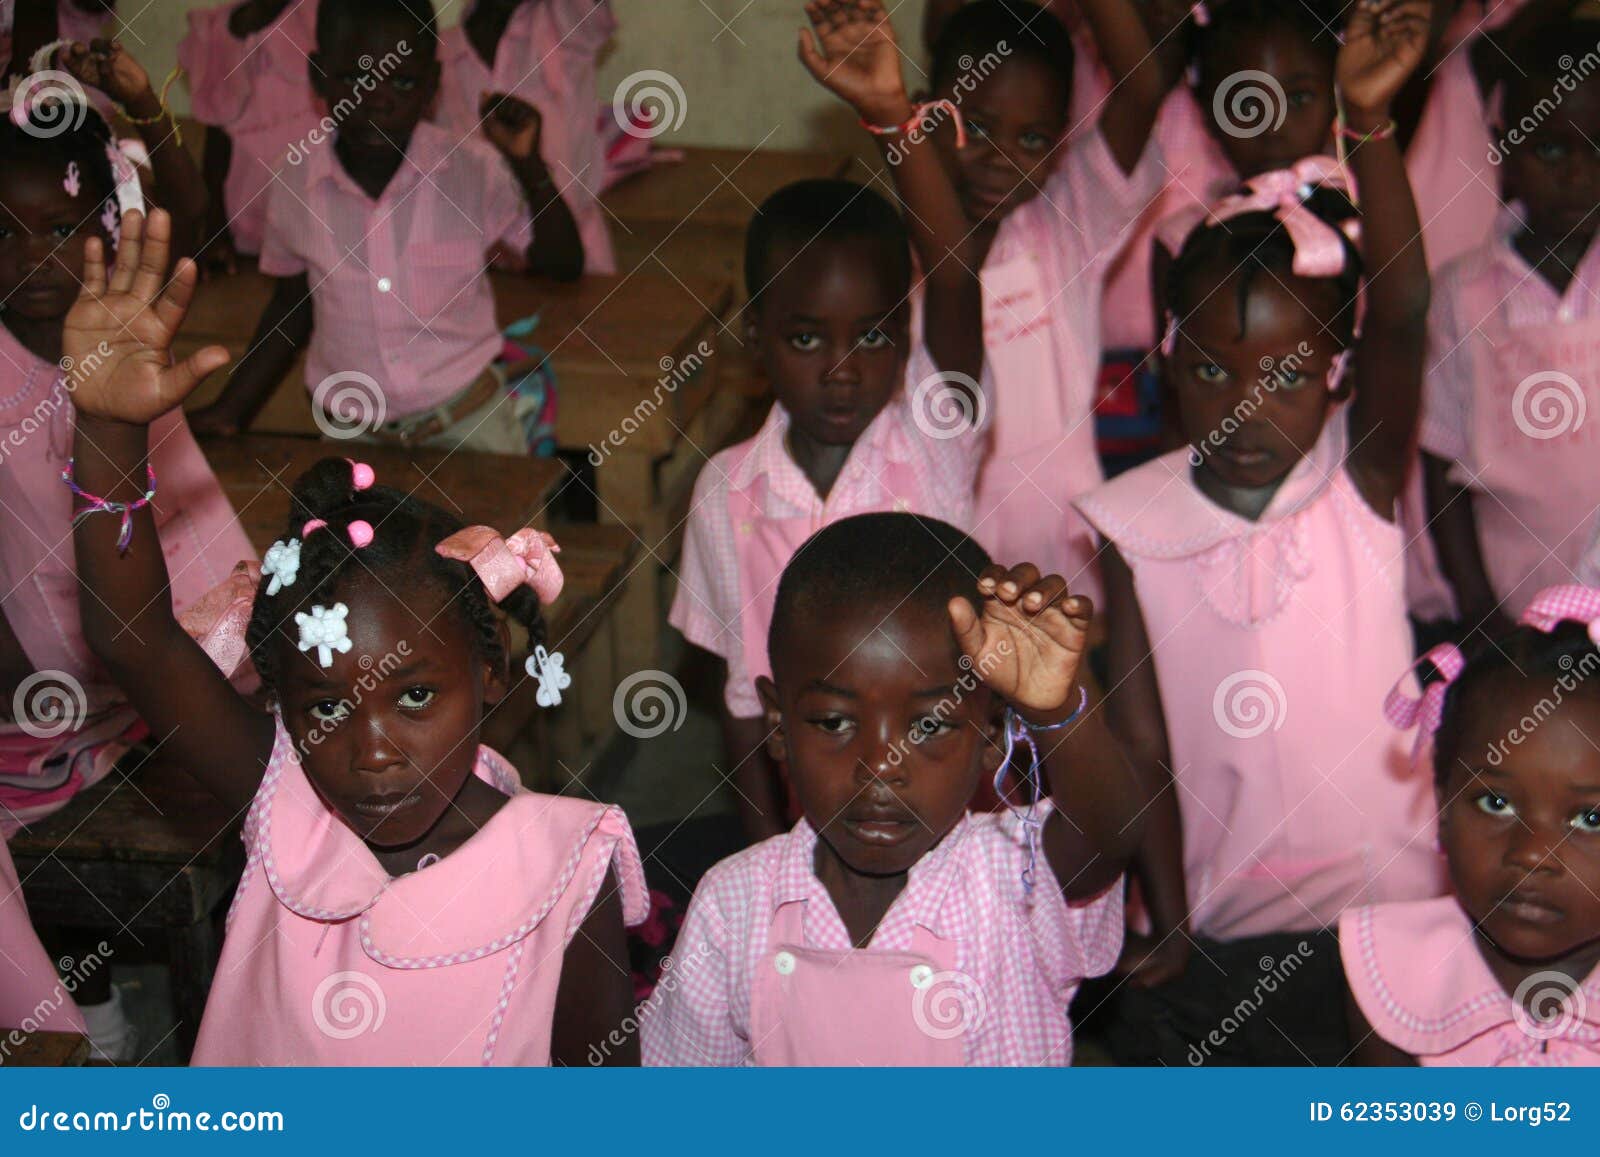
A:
(858, 59)
(1384, 42)
(118, 335)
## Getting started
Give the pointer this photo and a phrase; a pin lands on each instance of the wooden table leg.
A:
(192, 952)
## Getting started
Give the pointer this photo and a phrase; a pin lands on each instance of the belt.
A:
(419, 427)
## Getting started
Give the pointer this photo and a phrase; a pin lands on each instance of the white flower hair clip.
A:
(324, 628)
(282, 563)
(550, 670)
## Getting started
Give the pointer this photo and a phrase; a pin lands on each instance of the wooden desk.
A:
(43, 1050)
(715, 186)
(507, 493)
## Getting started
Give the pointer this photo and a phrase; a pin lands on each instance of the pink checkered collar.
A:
(884, 440)
(429, 148)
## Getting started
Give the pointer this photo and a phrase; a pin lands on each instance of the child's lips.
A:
(1532, 908)
(382, 806)
(882, 828)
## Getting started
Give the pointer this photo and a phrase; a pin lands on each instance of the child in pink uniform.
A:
(1046, 219)
(404, 900)
(250, 85)
(864, 419)
(1254, 598)
(1507, 970)
(1514, 356)
(892, 926)
(544, 52)
(379, 241)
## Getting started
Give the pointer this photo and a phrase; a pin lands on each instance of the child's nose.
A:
(377, 752)
(884, 760)
(843, 368)
(1533, 848)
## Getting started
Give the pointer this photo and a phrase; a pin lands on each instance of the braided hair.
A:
(401, 554)
(58, 134)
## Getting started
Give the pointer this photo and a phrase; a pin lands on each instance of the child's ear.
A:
(772, 716)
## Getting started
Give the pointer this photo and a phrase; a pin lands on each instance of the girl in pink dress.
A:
(1253, 592)
(405, 900)
(1506, 971)
(892, 926)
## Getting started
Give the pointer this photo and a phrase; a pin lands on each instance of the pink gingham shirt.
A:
(399, 287)
(708, 604)
(546, 57)
(1026, 953)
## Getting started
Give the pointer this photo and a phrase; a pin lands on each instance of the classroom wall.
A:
(735, 60)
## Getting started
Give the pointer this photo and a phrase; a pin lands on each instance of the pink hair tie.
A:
(504, 564)
(361, 533)
(1198, 13)
(313, 524)
(1318, 246)
(361, 475)
(1406, 712)
(1555, 605)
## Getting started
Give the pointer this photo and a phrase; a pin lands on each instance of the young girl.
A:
(249, 84)
(372, 809)
(1513, 477)
(892, 927)
(1507, 970)
(1045, 220)
(542, 51)
(391, 222)
(864, 419)
(1253, 590)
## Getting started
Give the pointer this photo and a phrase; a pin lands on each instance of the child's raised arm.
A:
(859, 61)
(1137, 85)
(514, 127)
(1384, 43)
(124, 331)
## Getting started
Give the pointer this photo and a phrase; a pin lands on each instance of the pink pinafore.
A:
(329, 960)
(1274, 644)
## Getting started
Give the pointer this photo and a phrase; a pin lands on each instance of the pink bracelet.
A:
(94, 504)
(914, 121)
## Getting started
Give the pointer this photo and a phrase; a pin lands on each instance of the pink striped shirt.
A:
(546, 57)
(399, 287)
(1025, 954)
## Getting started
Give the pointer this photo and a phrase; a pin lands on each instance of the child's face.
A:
(385, 81)
(389, 732)
(831, 330)
(847, 698)
(1252, 406)
(1015, 117)
(1520, 822)
(1555, 170)
(1306, 80)
(42, 232)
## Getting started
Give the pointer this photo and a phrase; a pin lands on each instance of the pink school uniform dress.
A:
(966, 968)
(200, 538)
(400, 285)
(258, 91)
(1042, 282)
(32, 996)
(1423, 986)
(1513, 367)
(547, 58)
(328, 960)
(753, 507)
(1274, 645)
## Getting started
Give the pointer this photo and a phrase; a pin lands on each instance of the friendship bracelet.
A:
(165, 113)
(1019, 730)
(94, 504)
(1383, 132)
(914, 121)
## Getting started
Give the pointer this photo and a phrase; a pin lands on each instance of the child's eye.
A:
(874, 339)
(1291, 379)
(976, 128)
(1210, 372)
(1549, 153)
(1302, 97)
(416, 698)
(930, 726)
(1491, 803)
(805, 342)
(1034, 142)
(350, 79)
(63, 232)
(1587, 821)
(329, 710)
(832, 724)
(404, 84)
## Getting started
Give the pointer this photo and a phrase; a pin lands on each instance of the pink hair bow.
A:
(1318, 246)
(219, 619)
(1555, 605)
(1199, 14)
(504, 564)
(1406, 712)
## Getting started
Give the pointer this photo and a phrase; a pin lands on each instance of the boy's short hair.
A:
(824, 210)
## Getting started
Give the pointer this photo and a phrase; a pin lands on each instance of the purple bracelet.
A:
(1019, 730)
(94, 504)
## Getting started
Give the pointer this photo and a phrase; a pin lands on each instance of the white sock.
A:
(112, 1036)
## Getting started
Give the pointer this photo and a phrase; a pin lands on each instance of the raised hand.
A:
(119, 335)
(1384, 42)
(106, 65)
(1029, 639)
(512, 125)
(851, 50)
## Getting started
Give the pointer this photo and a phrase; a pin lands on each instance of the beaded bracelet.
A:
(165, 113)
(97, 505)
(914, 121)
(1019, 730)
(1383, 132)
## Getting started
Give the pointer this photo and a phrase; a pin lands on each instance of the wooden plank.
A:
(681, 249)
(503, 491)
(716, 186)
(44, 1050)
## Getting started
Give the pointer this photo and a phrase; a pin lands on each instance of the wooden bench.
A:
(43, 1050)
(714, 186)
